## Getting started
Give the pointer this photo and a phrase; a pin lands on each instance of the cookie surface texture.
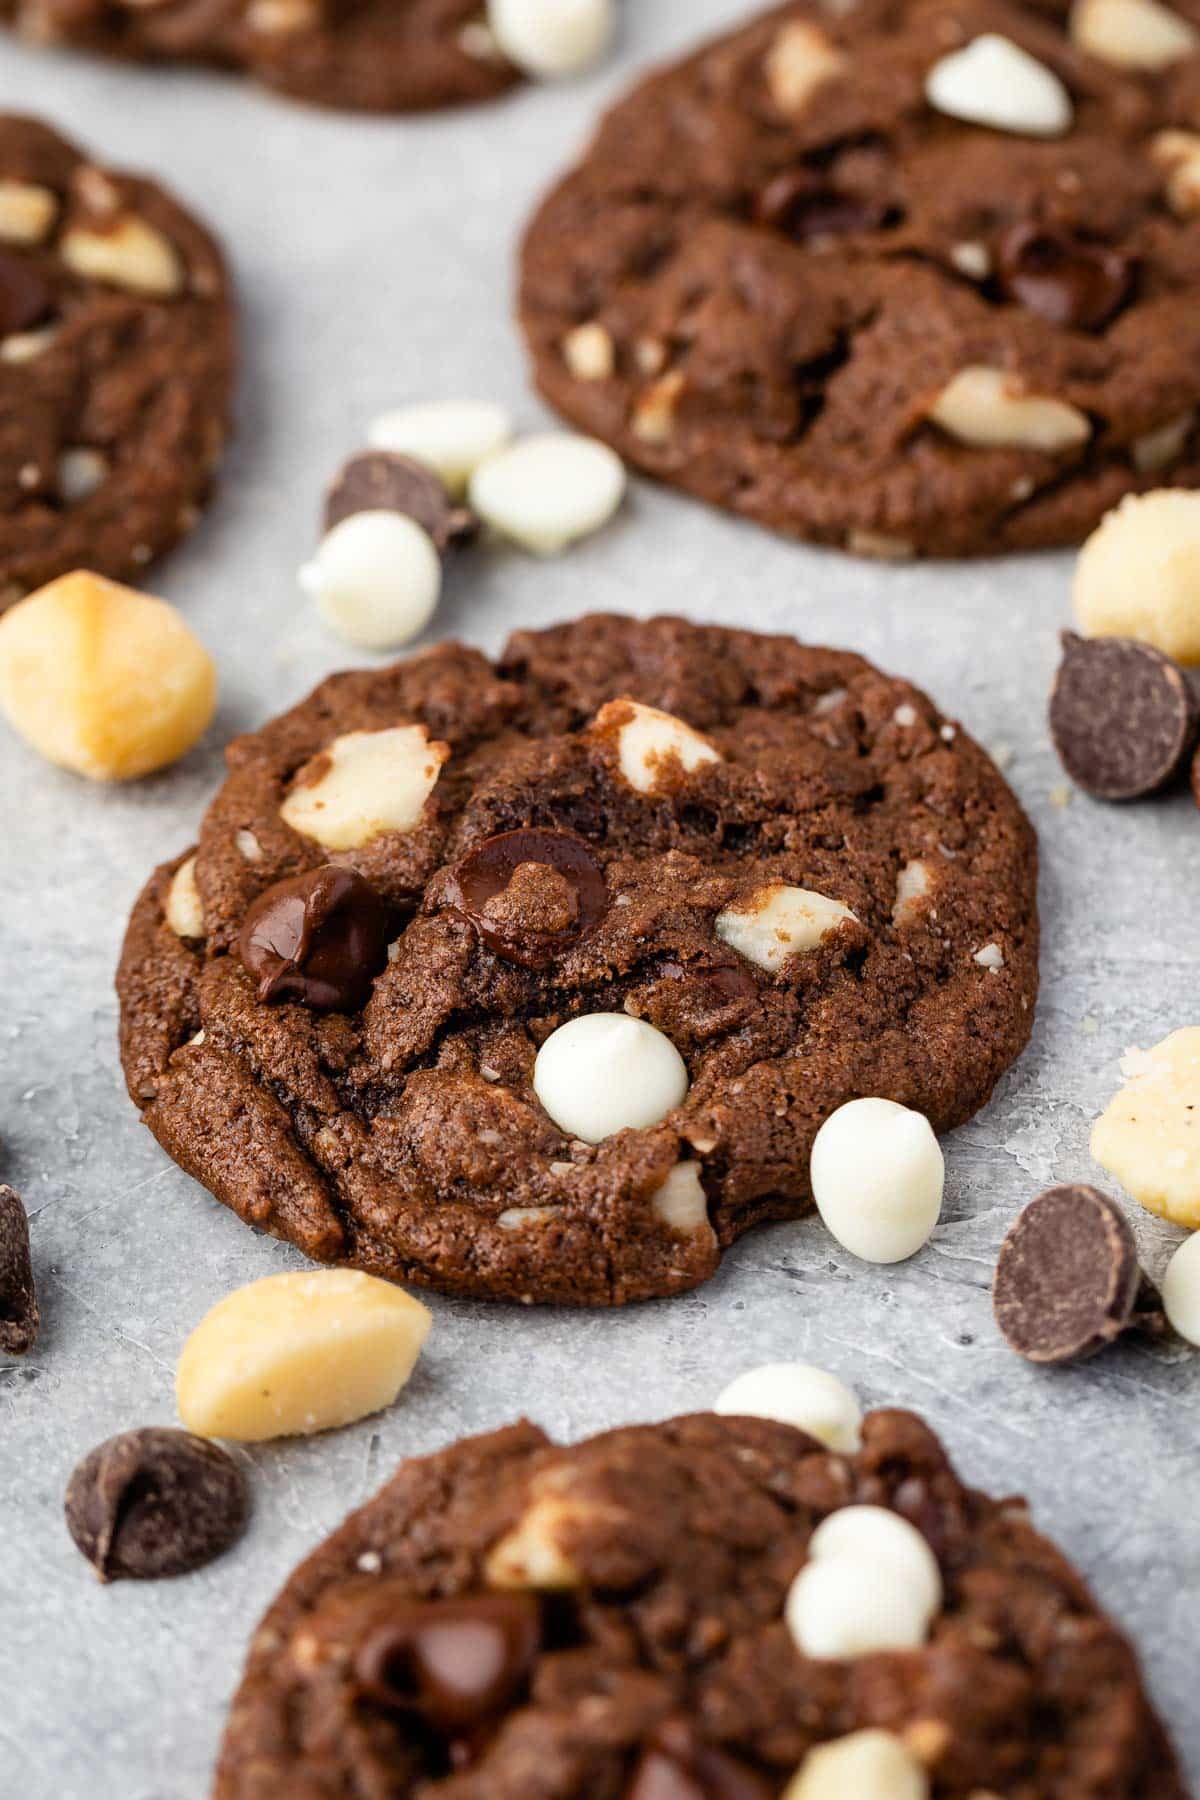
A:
(830, 299)
(117, 355)
(662, 1640)
(767, 875)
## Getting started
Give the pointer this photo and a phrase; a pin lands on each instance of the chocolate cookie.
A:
(369, 55)
(710, 924)
(512, 1620)
(906, 277)
(116, 364)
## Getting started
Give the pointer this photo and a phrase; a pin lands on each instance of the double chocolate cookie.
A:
(905, 277)
(537, 979)
(512, 1620)
(370, 55)
(116, 364)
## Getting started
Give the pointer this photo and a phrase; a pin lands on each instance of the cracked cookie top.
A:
(512, 1620)
(536, 980)
(117, 360)
(907, 277)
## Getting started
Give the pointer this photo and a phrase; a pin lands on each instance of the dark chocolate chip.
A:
(1067, 1282)
(19, 1316)
(1123, 716)
(803, 206)
(530, 893)
(154, 1503)
(455, 1662)
(381, 481)
(1196, 777)
(678, 1765)
(1063, 278)
(25, 299)
(319, 938)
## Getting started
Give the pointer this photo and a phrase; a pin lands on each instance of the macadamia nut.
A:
(867, 1765)
(606, 1072)
(376, 579)
(298, 1353)
(546, 492)
(364, 784)
(1149, 1136)
(779, 922)
(797, 1394)
(989, 410)
(27, 212)
(1132, 34)
(184, 910)
(1138, 575)
(649, 742)
(103, 680)
(877, 1178)
(128, 254)
(801, 59)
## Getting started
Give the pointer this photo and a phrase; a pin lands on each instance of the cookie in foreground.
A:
(537, 980)
(907, 279)
(514, 1620)
(117, 354)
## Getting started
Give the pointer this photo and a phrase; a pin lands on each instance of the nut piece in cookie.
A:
(1149, 1135)
(651, 746)
(103, 680)
(1124, 717)
(1068, 1281)
(778, 922)
(155, 1503)
(869, 1764)
(990, 409)
(364, 784)
(298, 1353)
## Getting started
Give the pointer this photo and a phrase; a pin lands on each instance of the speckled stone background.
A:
(374, 259)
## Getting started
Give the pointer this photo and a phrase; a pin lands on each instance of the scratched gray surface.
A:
(374, 261)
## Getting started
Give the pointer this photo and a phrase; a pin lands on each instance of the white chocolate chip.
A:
(797, 1394)
(80, 473)
(1132, 34)
(364, 784)
(184, 911)
(650, 744)
(1159, 448)
(877, 1178)
(991, 957)
(451, 437)
(972, 259)
(555, 41)
(606, 1072)
(1149, 1135)
(680, 1203)
(654, 409)
(129, 254)
(249, 848)
(800, 60)
(376, 579)
(989, 409)
(1138, 575)
(545, 492)
(778, 922)
(1181, 1290)
(297, 1353)
(912, 885)
(993, 82)
(27, 212)
(867, 1765)
(589, 353)
(1178, 153)
(871, 1583)
(905, 716)
(103, 680)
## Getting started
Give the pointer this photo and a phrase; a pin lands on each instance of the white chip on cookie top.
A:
(777, 922)
(184, 911)
(364, 784)
(871, 1583)
(866, 1765)
(607, 1072)
(994, 82)
(651, 743)
(681, 1203)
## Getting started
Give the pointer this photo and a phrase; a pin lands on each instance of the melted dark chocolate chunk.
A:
(457, 1663)
(1063, 278)
(678, 1765)
(25, 299)
(319, 938)
(803, 206)
(530, 893)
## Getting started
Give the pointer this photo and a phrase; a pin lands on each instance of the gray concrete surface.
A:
(374, 259)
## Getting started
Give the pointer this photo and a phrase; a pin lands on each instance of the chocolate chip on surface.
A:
(19, 1314)
(385, 481)
(1063, 278)
(456, 1662)
(1123, 716)
(319, 938)
(154, 1503)
(1067, 1281)
(530, 894)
